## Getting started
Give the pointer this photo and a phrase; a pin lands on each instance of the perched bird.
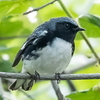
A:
(48, 50)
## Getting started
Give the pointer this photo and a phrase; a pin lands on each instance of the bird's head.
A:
(64, 27)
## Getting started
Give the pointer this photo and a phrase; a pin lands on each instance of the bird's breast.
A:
(53, 58)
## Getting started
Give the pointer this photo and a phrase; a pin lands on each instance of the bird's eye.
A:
(67, 25)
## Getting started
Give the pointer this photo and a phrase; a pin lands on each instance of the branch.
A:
(90, 46)
(12, 37)
(71, 85)
(57, 90)
(75, 69)
(51, 77)
(28, 96)
(36, 9)
(81, 67)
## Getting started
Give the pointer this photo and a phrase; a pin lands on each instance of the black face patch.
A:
(64, 30)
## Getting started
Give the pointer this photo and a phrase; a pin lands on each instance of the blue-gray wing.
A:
(35, 41)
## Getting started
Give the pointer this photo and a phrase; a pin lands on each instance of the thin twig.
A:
(90, 46)
(78, 68)
(81, 67)
(13, 37)
(82, 34)
(51, 77)
(36, 9)
(57, 90)
(71, 85)
(28, 96)
(64, 8)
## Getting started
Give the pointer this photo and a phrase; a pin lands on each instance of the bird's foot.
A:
(35, 77)
(57, 76)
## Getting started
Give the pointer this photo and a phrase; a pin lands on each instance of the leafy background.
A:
(16, 27)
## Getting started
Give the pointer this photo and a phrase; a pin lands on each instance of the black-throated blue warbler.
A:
(48, 50)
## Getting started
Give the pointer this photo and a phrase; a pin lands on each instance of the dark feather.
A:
(17, 59)
(73, 48)
(34, 42)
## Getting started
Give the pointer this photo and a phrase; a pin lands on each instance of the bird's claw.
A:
(57, 76)
(34, 76)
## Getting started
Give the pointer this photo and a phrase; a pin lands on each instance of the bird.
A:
(48, 50)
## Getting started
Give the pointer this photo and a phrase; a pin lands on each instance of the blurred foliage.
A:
(92, 94)
(90, 23)
(15, 28)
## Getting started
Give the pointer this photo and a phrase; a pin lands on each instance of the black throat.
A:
(67, 37)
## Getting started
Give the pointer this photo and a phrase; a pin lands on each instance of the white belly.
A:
(52, 59)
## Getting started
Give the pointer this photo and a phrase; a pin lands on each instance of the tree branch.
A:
(28, 96)
(75, 69)
(57, 90)
(51, 77)
(36, 9)
(12, 37)
(81, 67)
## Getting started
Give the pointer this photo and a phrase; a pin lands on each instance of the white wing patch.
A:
(41, 34)
(24, 45)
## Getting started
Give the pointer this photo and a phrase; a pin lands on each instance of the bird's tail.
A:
(25, 84)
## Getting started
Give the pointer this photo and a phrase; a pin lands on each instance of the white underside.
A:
(53, 59)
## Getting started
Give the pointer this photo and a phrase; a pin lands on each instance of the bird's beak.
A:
(81, 29)
(78, 29)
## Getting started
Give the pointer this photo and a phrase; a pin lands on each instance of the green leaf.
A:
(94, 19)
(92, 94)
(92, 25)
(13, 7)
(12, 28)
(1, 98)
(5, 66)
